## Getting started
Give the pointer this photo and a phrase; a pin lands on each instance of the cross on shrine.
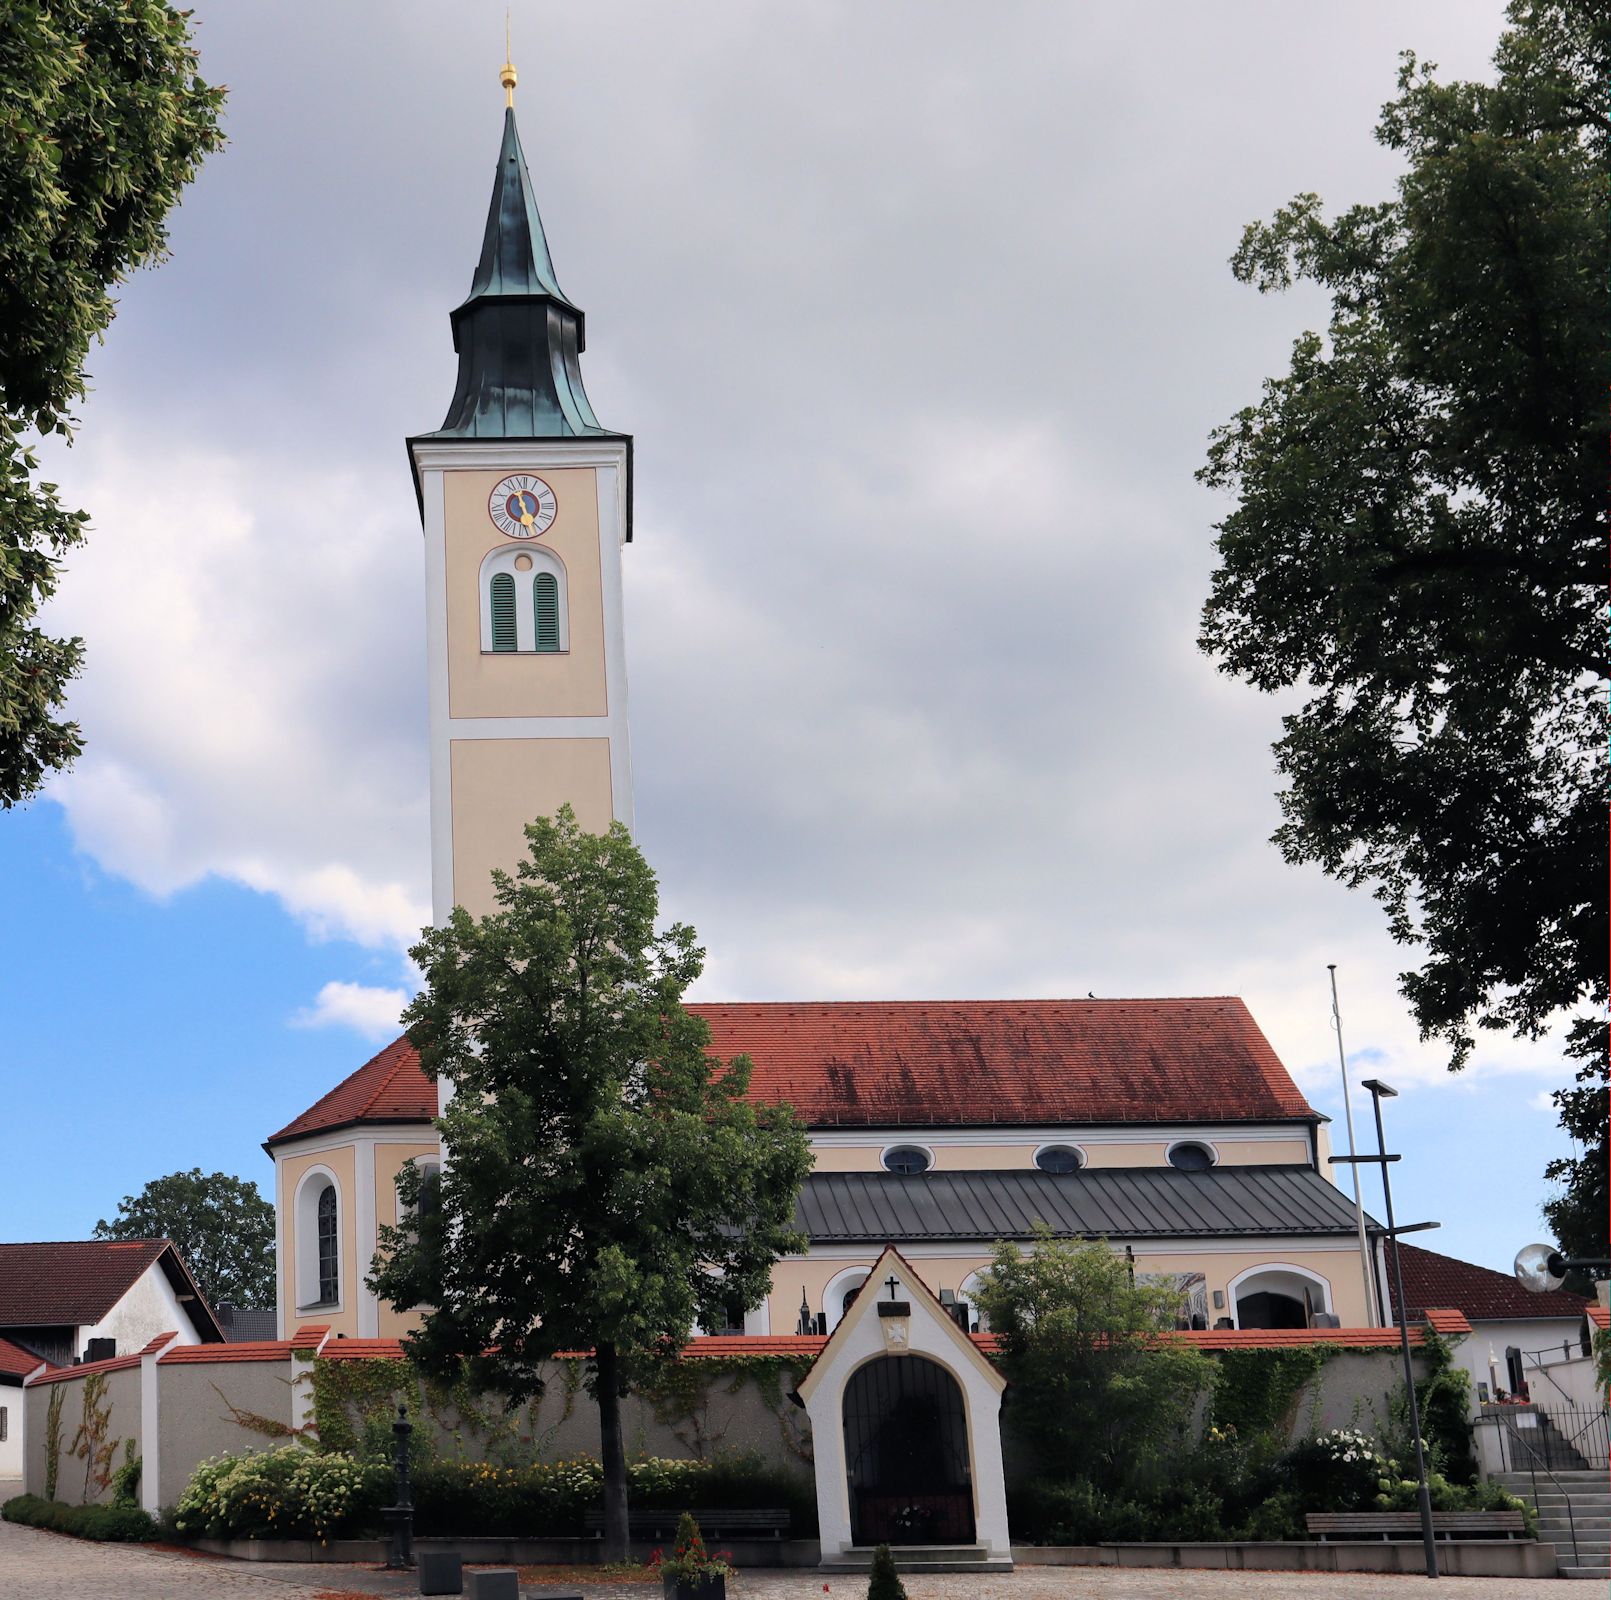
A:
(892, 1283)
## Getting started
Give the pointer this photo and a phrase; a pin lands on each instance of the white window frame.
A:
(542, 560)
(906, 1144)
(1202, 1144)
(305, 1210)
(1068, 1144)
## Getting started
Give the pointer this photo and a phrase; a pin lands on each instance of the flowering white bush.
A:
(274, 1493)
(1349, 1444)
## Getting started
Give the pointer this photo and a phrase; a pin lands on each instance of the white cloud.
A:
(371, 1011)
(911, 612)
(251, 697)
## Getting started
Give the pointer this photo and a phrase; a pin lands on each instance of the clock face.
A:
(521, 506)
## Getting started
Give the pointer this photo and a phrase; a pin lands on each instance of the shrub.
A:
(884, 1582)
(547, 1500)
(290, 1492)
(121, 1524)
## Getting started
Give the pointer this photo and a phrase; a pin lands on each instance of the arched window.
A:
(907, 1160)
(545, 611)
(329, 1260)
(523, 602)
(1059, 1159)
(1190, 1156)
(504, 637)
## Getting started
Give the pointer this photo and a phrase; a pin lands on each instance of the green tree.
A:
(607, 1185)
(1417, 541)
(103, 121)
(1100, 1390)
(221, 1225)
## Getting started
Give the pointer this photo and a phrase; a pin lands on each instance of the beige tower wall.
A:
(499, 785)
(570, 683)
(342, 1166)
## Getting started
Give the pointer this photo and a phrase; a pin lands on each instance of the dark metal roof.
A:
(1101, 1202)
(519, 339)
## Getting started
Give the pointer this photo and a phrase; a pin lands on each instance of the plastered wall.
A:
(568, 684)
(122, 1395)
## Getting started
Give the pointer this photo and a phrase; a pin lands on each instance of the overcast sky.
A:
(920, 315)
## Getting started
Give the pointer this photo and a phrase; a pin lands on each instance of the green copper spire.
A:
(514, 250)
(518, 337)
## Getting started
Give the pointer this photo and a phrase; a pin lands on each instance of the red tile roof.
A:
(387, 1088)
(240, 1350)
(1599, 1315)
(1431, 1279)
(939, 1063)
(15, 1362)
(69, 1283)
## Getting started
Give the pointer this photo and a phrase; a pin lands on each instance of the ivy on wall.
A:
(680, 1393)
(355, 1401)
(1257, 1391)
(90, 1443)
(53, 1438)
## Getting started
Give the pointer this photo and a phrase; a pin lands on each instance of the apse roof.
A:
(389, 1087)
(1093, 1203)
(944, 1063)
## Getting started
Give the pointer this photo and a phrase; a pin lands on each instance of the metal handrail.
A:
(1561, 1489)
(1545, 1372)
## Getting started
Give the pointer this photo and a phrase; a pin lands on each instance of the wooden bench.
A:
(1407, 1524)
(764, 1523)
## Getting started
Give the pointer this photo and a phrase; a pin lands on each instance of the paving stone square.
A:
(48, 1566)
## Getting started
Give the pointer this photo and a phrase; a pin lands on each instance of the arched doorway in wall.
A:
(1279, 1296)
(907, 1463)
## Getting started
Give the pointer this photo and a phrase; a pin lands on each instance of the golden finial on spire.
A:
(507, 76)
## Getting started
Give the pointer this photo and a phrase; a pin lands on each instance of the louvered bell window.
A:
(503, 612)
(545, 603)
(329, 1278)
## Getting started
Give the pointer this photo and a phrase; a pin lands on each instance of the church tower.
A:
(526, 502)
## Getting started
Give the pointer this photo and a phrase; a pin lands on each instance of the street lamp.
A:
(1541, 1267)
(1379, 1092)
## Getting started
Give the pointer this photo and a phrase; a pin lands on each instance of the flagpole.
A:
(1372, 1304)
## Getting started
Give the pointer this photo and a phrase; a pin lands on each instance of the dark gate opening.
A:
(906, 1454)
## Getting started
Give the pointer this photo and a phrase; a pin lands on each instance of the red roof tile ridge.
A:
(983, 1000)
(241, 1350)
(86, 1369)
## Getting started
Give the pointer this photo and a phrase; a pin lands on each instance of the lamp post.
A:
(1379, 1091)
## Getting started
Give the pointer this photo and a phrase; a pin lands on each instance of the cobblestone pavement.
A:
(48, 1566)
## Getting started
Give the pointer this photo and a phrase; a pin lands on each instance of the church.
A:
(1166, 1126)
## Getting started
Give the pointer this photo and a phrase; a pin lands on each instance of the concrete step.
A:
(919, 1558)
(1601, 1573)
(1595, 1477)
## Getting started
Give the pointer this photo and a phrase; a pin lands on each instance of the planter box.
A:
(707, 1588)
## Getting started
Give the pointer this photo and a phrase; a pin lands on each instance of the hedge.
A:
(121, 1524)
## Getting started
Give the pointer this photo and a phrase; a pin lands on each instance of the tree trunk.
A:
(612, 1456)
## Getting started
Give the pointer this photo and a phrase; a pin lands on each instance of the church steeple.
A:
(525, 507)
(518, 337)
